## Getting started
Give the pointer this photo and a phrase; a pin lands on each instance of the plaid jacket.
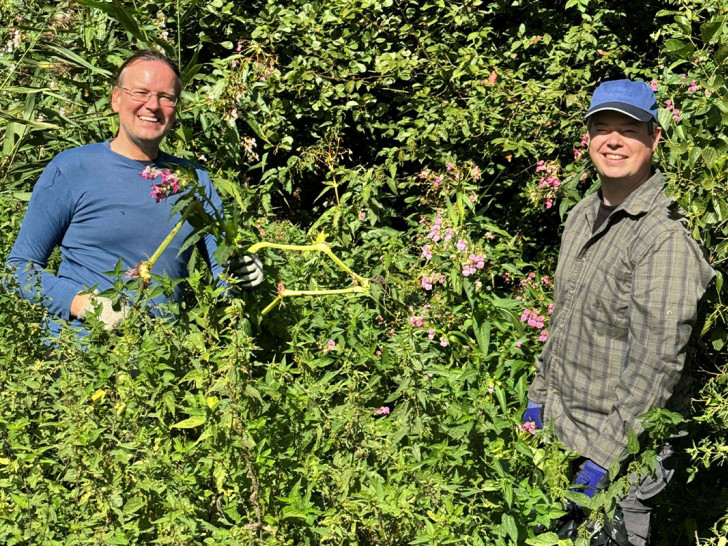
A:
(626, 300)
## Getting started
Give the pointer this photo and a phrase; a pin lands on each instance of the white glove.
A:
(107, 314)
(247, 268)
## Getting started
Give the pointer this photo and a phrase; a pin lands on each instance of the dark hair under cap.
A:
(149, 55)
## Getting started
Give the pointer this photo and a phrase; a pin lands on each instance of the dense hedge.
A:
(412, 136)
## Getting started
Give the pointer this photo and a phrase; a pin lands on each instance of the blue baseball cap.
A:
(633, 99)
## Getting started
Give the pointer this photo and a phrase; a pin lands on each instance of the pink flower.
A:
(676, 115)
(431, 333)
(577, 154)
(443, 341)
(417, 320)
(707, 93)
(426, 254)
(362, 215)
(449, 166)
(529, 426)
(383, 410)
(654, 84)
(468, 270)
(330, 346)
(461, 245)
(584, 140)
(448, 234)
(545, 280)
(551, 308)
(549, 203)
(668, 105)
(149, 173)
(518, 344)
(491, 388)
(426, 283)
(544, 335)
(378, 352)
(473, 198)
(693, 86)
(475, 173)
(519, 298)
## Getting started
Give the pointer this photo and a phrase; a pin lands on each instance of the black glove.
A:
(247, 268)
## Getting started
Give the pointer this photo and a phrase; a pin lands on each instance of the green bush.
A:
(377, 126)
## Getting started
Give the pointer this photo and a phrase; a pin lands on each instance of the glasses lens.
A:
(140, 95)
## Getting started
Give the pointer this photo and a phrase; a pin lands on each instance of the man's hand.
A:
(107, 314)
(533, 414)
(590, 476)
(247, 268)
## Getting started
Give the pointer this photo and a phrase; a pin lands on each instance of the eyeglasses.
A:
(142, 95)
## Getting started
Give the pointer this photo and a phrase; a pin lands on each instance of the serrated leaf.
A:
(547, 539)
(710, 155)
(633, 444)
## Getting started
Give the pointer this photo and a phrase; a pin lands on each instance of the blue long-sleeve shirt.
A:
(93, 204)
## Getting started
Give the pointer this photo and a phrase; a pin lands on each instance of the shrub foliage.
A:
(436, 146)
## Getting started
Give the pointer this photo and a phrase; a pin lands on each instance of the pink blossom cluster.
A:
(532, 318)
(330, 346)
(417, 320)
(693, 86)
(654, 85)
(383, 410)
(435, 229)
(529, 426)
(475, 262)
(428, 281)
(549, 183)
(670, 107)
(529, 279)
(170, 184)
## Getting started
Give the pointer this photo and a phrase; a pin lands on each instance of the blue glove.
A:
(533, 413)
(590, 476)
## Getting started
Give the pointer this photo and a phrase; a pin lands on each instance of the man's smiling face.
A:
(621, 148)
(143, 125)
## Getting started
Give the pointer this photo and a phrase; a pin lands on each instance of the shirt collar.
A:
(642, 198)
(636, 203)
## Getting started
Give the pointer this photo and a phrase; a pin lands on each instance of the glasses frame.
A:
(159, 96)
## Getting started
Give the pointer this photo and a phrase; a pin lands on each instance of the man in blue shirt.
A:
(92, 203)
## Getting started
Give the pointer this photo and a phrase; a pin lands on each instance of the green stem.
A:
(285, 293)
(318, 247)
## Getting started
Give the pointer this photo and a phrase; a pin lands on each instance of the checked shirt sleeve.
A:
(48, 216)
(668, 281)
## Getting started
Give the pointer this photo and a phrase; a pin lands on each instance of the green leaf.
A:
(509, 524)
(710, 155)
(633, 444)
(73, 58)
(546, 539)
(191, 422)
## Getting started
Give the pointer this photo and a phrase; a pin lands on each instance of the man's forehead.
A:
(611, 117)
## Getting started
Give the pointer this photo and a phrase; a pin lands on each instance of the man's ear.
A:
(115, 98)
(656, 136)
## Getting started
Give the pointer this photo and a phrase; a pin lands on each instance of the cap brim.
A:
(626, 109)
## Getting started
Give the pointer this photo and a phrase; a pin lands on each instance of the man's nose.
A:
(614, 139)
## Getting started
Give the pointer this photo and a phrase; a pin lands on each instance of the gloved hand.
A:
(590, 476)
(533, 413)
(110, 316)
(247, 268)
